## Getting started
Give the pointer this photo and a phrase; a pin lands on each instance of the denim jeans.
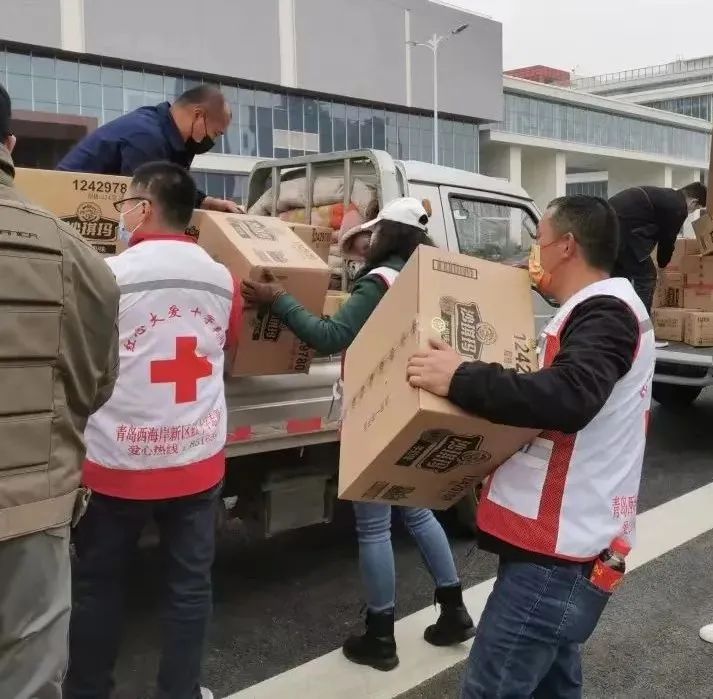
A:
(376, 556)
(105, 540)
(528, 642)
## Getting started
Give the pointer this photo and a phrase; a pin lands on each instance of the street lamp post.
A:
(433, 44)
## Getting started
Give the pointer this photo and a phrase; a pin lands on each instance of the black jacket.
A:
(598, 344)
(648, 216)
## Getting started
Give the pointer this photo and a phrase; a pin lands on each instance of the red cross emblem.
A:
(184, 371)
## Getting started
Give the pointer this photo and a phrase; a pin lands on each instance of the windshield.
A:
(496, 232)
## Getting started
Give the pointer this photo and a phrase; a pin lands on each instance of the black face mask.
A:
(199, 147)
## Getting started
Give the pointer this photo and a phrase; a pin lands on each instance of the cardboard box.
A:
(669, 289)
(681, 250)
(699, 329)
(700, 274)
(247, 245)
(317, 237)
(669, 323)
(703, 226)
(690, 246)
(333, 302)
(84, 201)
(698, 298)
(405, 446)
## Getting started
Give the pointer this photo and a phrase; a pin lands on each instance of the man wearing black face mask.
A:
(175, 132)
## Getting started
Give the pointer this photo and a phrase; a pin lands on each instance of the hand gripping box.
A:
(247, 245)
(405, 446)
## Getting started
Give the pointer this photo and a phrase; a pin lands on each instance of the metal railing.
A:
(663, 69)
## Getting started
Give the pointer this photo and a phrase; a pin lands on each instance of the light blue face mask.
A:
(123, 233)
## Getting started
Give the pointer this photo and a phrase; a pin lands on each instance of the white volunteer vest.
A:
(568, 496)
(168, 408)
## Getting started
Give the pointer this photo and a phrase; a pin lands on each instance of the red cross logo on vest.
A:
(184, 371)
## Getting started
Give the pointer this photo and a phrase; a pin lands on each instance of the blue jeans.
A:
(376, 556)
(105, 540)
(528, 642)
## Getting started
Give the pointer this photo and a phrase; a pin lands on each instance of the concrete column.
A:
(502, 161)
(632, 173)
(544, 175)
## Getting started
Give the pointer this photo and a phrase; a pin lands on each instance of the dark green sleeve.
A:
(332, 335)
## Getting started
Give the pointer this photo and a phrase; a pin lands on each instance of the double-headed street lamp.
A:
(433, 43)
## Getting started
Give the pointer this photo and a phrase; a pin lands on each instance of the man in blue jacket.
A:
(175, 132)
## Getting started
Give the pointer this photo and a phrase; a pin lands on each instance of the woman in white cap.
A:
(396, 232)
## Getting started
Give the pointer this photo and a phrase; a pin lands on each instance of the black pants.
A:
(643, 277)
(105, 540)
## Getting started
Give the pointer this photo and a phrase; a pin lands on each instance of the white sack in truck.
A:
(327, 190)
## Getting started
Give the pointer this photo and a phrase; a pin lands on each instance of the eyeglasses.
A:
(120, 203)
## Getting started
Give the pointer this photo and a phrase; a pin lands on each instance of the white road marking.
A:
(331, 676)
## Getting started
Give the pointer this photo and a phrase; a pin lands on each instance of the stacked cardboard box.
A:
(683, 305)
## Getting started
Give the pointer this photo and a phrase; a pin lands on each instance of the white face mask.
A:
(123, 232)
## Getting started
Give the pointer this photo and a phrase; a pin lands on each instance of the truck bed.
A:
(266, 413)
(680, 353)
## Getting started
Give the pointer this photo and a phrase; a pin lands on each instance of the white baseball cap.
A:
(402, 210)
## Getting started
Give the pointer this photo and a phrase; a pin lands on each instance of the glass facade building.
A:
(530, 116)
(700, 106)
(589, 189)
(266, 123)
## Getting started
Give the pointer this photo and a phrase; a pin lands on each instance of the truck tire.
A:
(675, 397)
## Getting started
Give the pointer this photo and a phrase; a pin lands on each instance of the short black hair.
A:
(394, 239)
(5, 113)
(207, 95)
(171, 188)
(594, 225)
(697, 191)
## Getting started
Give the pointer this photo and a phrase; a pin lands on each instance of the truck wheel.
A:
(672, 396)
(466, 508)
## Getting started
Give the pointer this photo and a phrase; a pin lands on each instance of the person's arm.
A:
(332, 335)
(597, 348)
(106, 384)
(666, 246)
(671, 213)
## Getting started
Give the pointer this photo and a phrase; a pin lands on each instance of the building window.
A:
(265, 123)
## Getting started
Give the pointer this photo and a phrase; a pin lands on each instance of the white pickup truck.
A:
(282, 435)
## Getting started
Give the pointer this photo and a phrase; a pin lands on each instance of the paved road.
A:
(282, 603)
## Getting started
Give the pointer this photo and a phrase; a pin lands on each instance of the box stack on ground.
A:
(683, 305)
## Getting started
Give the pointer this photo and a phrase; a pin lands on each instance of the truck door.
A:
(493, 227)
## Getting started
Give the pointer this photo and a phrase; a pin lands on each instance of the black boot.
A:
(454, 625)
(377, 647)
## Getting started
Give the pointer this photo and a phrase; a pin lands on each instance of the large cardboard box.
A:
(698, 298)
(405, 446)
(247, 245)
(690, 246)
(84, 201)
(318, 238)
(699, 329)
(669, 323)
(681, 250)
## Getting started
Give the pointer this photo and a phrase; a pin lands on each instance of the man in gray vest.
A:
(58, 363)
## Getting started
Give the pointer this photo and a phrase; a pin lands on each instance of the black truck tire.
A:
(675, 397)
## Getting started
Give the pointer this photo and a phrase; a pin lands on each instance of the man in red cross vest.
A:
(156, 448)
